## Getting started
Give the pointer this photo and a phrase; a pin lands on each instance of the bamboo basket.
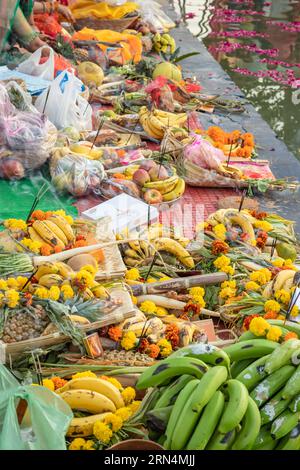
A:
(117, 25)
(11, 351)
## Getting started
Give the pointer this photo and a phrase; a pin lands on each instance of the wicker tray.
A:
(117, 25)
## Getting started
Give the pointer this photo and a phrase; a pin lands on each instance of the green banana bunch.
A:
(220, 441)
(250, 428)
(294, 406)
(254, 373)
(250, 349)
(291, 441)
(292, 387)
(281, 356)
(208, 353)
(164, 43)
(271, 384)
(236, 405)
(157, 419)
(171, 392)
(239, 366)
(284, 424)
(273, 408)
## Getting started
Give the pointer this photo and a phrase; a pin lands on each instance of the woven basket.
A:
(117, 25)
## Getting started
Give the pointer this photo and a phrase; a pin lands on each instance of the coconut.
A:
(167, 70)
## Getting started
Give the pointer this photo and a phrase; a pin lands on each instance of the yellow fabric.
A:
(88, 8)
(131, 45)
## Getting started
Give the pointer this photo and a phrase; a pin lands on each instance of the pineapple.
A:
(27, 323)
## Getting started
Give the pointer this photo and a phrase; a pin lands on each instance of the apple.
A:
(158, 173)
(141, 177)
(147, 165)
(153, 196)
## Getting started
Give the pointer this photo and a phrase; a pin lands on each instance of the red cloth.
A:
(48, 24)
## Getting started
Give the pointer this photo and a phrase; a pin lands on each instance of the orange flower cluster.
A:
(172, 334)
(58, 382)
(218, 247)
(239, 145)
(152, 350)
(270, 315)
(115, 333)
(258, 215)
(261, 239)
(248, 320)
(290, 335)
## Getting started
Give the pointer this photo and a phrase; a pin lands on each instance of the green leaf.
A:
(174, 55)
(185, 56)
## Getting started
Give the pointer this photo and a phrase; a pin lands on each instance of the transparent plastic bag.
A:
(46, 420)
(76, 174)
(64, 104)
(154, 15)
(32, 65)
(202, 153)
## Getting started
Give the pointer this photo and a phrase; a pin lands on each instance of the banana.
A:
(159, 373)
(171, 392)
(156, 37)
(253, 374)
(264, 439)
(208, 353)
(35, 237)
(64, 270)
(173, 247)
(145, 248)
(289, 325)
(284, 424)
(239, 366)
(176, 192)
(57, 231)
(294, 406)
(268, 290)
(177, 410)
(288, 284)
(172, 45)
(270, 385)
(79, 319)
(291, 441)
(132, 254)
(161, 185)
(47, 234)
(281, 356)
(273, 408)
(98, 385)
(250, 349)
(64, 226)
(48, 280)
(204, 391)
(220, 441)
(207, 423)
(246, 336)
(292, 387)
(157, 419)
(241, 220)
(281, 278)
(46, 268)
(86, 400)
(82, 427)
(236, 406)
(250, 428)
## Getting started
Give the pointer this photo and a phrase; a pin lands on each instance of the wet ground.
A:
(258, 43)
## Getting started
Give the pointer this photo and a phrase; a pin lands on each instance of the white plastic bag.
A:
(33, 67)
(65, 106)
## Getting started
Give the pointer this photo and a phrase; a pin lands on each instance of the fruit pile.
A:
(243, 397)
(156, 122)
(164, 43)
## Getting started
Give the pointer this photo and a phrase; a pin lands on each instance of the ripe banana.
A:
(48, 280)
(177, 410)
(292, 387)
(207, 423)
(270, 385)
(57, 231)
(176, 192)
(235, 407)
(98, 385)
(35, 237)
(268, 290)
(220, 441)
(250, 428)
(159, 373)
(208, 353)
(243, 222)
(250, 349)
(171, 392)
(281, 356)
(173, 247)
(273, 408)
(64, 270)
(253, 374)
(46, 268)
(284, 424)
(281, 278)
(61, 222)
(82, 427)
(86, 400)
(162, 185)
(204, 391)
(239, 366)
(291, 441)
(47, 234)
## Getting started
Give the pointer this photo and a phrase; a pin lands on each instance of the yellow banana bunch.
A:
(171, 119)
(151, 125)
(55, 231)
(82, 427)
(164, 43)
(49, 280)
(87, 400)
(176, 249)
(176, 192)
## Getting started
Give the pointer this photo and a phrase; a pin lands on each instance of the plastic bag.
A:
(154, 15)
(76, 174)
(44, 424)
(19, 97)
(33, 66)
(65, 106)
(204, 154)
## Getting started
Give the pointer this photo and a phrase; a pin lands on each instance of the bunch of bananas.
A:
(90, 394)
(244, 397)
(141, 250)
(156, 122)
(171, 188)
(55, 231)
(232, 216)
(283, 280)
(164, 43)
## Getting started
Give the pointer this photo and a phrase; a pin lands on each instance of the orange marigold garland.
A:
(58, 382)
(115, 333)
(218, 247)
(153, 351)
(290, 335)
(172, 334)
(271, 315)
(190, 309)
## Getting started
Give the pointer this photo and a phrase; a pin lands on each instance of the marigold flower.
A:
(272, 305)
(3, 284)
(15, 224)
(102, 432)
(83, 279)
(294, 311)
(220, 231)
(41, 292)
(161, 311)
(115, 333)
(48, 383)
(132, 274)
(134, 406)
(124, 413)
(153, 351)
(128, 395)
(38, 215)
(172, 334)
(89, 445)
(228, 270)
(86, 373)
(263, 225)
(54, 293)
(114, 421)
(231, 284)
(270, 315)
(77, 444)
(128, 340)
(148, 307)
(227, 292)
(251, 285)
(113, 381)
(274, 333)
(46, 250)
(221, 262)
(12, 298)
(248, 320)
(283, 296)
(290, 335)
(58, 382)
(67, 292)
(165, 347)
(259, 326)
(197, 291)
(219, 246)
